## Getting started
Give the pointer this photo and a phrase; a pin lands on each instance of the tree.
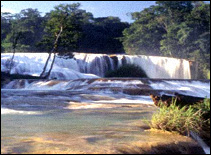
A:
(102, 35)
(6, 18)
(84, 33)
(5, 24)
(64, 25)
(13, 36)
(16, 35)
(178, 29)
(145, 34)
(29, 23)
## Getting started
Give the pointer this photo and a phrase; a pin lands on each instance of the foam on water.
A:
(127, 101)
(47, 85)
(5, 111)
(89, 106)
(193, 88)
(198, 88)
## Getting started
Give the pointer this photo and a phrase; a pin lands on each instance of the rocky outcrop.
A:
(181, 100)
(6, 77)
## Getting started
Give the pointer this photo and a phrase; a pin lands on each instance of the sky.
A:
(97, 8)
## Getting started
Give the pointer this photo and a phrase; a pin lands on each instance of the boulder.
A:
(181, 99)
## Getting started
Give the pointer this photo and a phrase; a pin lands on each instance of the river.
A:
(53, 121)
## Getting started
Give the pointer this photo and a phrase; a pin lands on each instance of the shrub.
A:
(173, 118)
(205, 107)
(127, 71)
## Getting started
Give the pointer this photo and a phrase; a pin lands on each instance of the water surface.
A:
(55, 121)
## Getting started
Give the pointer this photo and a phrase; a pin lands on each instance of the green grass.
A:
(178, 119)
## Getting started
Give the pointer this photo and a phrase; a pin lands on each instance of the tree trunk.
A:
(11, 61)
(49, 72)
(46, 63)
(15, 41)
(54, 48)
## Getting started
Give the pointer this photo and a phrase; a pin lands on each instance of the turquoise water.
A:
(45, 122)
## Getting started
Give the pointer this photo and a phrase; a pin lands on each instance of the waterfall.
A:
(154, 66)
(33, 63)
(162, 67)
(95, 65)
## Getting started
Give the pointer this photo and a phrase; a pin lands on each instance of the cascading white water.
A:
(197, 88)
(162, 67)
(33, 63)
(95, 65)
(154, 66)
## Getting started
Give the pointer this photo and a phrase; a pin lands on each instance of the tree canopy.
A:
(81, 31)
(179, 29)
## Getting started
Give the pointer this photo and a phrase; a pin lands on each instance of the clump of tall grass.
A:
(179, 119)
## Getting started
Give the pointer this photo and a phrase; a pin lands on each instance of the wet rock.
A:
(181, 100)
(115, 61)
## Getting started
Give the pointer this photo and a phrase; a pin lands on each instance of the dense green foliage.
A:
(127, 71)
(81, 31)
(24, 28)
(66, 21)
(102, 34)
(178, 29)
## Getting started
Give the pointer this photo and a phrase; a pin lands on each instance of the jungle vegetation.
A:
(179, 29)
